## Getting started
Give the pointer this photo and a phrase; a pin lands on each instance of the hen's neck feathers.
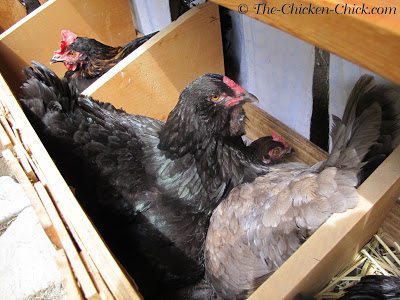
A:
(214, 162)
(101, 57)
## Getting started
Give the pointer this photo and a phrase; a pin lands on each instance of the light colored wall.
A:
(278, 69)
(151, 15)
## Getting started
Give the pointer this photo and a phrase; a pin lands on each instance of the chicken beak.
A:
(249, 97)
(56, 58)
(241, 99)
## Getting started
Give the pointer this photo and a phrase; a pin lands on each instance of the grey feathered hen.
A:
(260, 224)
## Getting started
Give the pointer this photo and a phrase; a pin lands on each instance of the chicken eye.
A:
(276, 151)
(214, 98)
(70, 53)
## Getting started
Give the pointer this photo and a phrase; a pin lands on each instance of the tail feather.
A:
(369, 129)
(47, 101)
(44, 91)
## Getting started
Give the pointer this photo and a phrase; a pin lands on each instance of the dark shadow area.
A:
(319, 128)
(177, 8)
(30, 5)
(231, 61)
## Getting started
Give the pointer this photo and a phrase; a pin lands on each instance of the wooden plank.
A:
(369, 40)
(69, 284)
(334, 244)
(85, 282)
(44, 219)
(38, 35)
(20, 151)
(104, 292)
(260, 123)
(19, 174)
(5, 141)
(391, 225)
(150, 79)
(7, 128)
(81, 228)
(14, 133)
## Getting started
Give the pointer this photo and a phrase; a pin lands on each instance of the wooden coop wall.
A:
(148, 82)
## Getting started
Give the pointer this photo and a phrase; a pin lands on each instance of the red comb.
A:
(278, 138)
(234, 86)
(67, 38)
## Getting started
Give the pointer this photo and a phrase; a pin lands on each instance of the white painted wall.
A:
(151, 15)
(277, 68)
(342, 77)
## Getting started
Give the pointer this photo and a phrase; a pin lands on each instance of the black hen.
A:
(374, 287)
(87, 59)
(157, 183)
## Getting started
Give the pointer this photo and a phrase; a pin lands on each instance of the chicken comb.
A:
(278, 138)
(234, 86)
(67, 38)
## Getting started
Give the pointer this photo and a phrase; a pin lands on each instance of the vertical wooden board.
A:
(334, 244)
(149, 80)
(38, 35)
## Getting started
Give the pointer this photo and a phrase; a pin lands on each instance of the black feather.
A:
(373, 287)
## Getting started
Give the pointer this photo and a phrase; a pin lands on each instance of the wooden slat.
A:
(372, 41)
(86, 283)
(17, 171)
(5, 140)
(104, 292)
(83, 231)
(38, 35)
(69, 284)
(260, 123)
(150, 80)
(391, 225)
(335, 243)
(44, 219)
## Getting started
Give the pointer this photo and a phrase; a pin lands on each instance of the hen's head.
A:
(270, 149)
(210, 106)
(79, 52)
